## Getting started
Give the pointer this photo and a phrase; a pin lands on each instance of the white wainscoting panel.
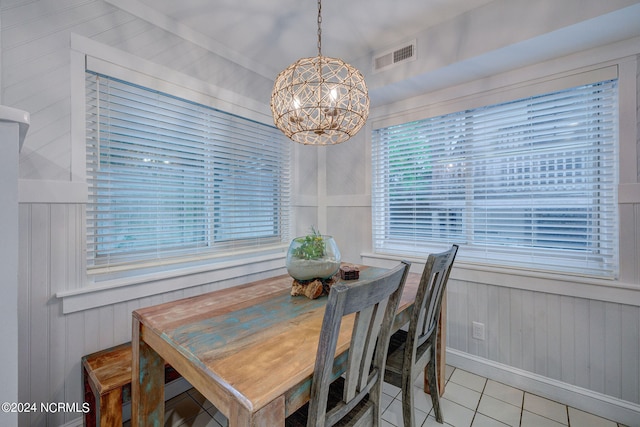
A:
(590, 344)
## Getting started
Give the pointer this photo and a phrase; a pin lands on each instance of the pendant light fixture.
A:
(320, 100)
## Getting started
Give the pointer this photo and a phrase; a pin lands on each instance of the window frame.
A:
(480, 93)
(207, 161)
(113, 285)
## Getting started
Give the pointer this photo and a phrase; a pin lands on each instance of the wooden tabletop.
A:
(250, 349)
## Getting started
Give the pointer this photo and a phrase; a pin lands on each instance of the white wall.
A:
(8, 267)
(36, 77)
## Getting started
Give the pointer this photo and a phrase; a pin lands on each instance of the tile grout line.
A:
(522, 407)
(475, 413)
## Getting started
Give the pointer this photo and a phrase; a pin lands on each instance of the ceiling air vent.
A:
(394, 56)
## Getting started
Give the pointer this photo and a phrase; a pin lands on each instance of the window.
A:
(169, 178)
(529, 183)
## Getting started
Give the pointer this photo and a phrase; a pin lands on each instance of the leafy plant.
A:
(312, 246)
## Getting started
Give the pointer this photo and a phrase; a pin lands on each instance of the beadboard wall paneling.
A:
(637, 226)
(590, 344)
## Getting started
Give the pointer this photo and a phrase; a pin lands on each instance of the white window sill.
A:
(232, 272)
(536, 281)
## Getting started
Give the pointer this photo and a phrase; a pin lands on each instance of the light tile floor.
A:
(469, 401)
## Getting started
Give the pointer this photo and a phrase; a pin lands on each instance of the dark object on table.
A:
(349, 272)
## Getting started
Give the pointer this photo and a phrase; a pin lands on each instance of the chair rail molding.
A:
(47, 191)
(537, 281)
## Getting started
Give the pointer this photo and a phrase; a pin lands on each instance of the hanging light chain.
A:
(319, 28)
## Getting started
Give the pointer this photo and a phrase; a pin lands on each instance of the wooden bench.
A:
(106, 378)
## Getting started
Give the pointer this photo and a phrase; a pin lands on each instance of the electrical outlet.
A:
(478, 331)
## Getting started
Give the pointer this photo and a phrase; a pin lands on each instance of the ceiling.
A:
(461, 40)
(275, 33)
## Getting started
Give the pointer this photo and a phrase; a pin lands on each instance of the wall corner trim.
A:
(629, 193)
(44, 191)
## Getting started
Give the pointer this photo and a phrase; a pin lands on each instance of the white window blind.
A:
(173, 178)
(529, 183)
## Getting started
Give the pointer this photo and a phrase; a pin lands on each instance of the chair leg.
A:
(407, 399)
(434, 391)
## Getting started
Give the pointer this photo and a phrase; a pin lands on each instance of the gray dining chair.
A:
(353, 399)
(411, 351)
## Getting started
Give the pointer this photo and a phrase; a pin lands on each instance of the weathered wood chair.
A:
(410, 352)
(354, 398)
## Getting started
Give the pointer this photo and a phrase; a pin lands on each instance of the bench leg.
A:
(89, 397)
(110, 410)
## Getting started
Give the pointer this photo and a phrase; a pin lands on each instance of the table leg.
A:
(147, 385)
(271, 415)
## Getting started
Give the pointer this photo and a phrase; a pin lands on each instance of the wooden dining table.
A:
(250, 349)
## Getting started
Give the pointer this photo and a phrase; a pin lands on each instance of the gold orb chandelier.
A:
(320, 100)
